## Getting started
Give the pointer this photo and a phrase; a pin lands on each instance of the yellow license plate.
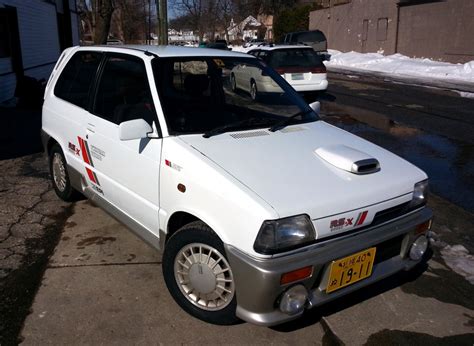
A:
(350, 269)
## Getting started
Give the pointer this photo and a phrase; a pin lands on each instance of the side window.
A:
(123, 92)
(76, 79)
(263, 55)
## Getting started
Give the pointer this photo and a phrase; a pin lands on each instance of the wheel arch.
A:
(180, 219)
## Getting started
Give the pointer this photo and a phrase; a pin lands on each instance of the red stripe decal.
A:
(91, 175)
(362, 218)
(84, 151)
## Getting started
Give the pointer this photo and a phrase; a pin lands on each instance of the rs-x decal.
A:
(86, 156)
(346, 222)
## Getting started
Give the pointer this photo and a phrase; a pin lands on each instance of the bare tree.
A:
(97, 15)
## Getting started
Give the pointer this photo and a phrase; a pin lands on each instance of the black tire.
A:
(253, 90)
(233, 82)
(66, 192)
(200, 235)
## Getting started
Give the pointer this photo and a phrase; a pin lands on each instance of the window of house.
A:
(382, 26)
(4, 37)
(123, 92)
(76, 79)
(365, 29)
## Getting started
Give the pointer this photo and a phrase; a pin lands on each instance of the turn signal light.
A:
(423, 227)
(296, 275)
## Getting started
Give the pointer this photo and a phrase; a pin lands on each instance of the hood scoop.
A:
(348, 159)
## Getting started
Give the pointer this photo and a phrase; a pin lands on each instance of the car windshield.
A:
(212, 95)
(305, 57)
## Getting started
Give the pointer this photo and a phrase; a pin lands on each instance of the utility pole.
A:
(162, 25)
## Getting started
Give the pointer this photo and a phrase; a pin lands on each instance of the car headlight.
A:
(420, 193)
(284, 234)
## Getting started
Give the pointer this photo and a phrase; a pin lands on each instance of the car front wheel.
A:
(253, 90)
(198, 274)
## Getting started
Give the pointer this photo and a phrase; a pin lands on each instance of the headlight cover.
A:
(420, 193)
(284, 234)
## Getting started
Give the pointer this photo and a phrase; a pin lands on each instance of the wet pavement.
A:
(419, 128)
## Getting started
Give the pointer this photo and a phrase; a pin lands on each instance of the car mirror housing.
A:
(134, 129)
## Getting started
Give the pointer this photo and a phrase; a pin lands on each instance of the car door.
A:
(125, 173)
(68, 110)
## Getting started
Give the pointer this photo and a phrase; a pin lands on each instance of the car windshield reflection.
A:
(202, 94)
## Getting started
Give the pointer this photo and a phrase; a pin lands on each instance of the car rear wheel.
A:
(198, 274)
(59, 175)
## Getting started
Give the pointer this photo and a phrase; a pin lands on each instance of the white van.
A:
(262, 210)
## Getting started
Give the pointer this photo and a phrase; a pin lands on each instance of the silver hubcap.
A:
(204, 276)
(59, 172)
(253, 91)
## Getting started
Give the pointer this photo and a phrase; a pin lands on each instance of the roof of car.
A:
(281, 46)
(170, 51)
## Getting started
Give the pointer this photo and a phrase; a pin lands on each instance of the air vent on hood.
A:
(240, 135)
(292, 129)
(365, 166)
(348, 159)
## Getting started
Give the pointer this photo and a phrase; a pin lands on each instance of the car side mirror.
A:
(134, 129)
(315, 106)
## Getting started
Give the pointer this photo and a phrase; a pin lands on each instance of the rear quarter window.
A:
(76, 79)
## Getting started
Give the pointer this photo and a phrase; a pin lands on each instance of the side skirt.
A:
(78, 183)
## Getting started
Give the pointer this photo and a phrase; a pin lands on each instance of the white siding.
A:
(41, 72)
(39, 39)
(75, 29)
(7, 86)
(8, 81)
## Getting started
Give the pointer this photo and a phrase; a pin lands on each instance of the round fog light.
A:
(293, 300)
(418, 248)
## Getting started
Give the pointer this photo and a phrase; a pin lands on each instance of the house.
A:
(32, 35)
(245, 30)
(441, 30)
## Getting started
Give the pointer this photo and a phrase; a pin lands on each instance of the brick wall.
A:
(361, 25)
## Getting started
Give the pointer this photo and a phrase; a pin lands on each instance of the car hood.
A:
(306, 169)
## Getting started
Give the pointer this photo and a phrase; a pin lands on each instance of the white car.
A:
(300, 66)
(262, 210)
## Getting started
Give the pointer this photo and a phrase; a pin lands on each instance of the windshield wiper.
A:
(285, 122)
(234, 125)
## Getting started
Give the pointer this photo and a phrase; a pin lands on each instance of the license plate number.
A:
(350, 269)
(297, 76)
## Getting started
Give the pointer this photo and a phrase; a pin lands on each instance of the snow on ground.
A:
(398, 64)
(457, 257)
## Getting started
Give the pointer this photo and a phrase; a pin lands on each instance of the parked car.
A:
(314, 38)
(298, 65)
(253, 42)
(262, 209)
(220, 44)
(114, 42)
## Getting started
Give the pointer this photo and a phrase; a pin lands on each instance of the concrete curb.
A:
(433, 83)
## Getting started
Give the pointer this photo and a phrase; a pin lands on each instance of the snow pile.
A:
(398, 64)
(457, 257)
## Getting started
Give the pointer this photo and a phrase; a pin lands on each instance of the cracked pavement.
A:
(31, 220)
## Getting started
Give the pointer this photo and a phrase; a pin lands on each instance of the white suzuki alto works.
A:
(261, 209)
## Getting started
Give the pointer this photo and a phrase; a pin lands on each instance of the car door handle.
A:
(90, 128)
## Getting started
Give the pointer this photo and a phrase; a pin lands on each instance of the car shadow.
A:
(315, 315)
(20, 133)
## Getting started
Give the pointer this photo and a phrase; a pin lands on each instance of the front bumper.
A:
(258, 280)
